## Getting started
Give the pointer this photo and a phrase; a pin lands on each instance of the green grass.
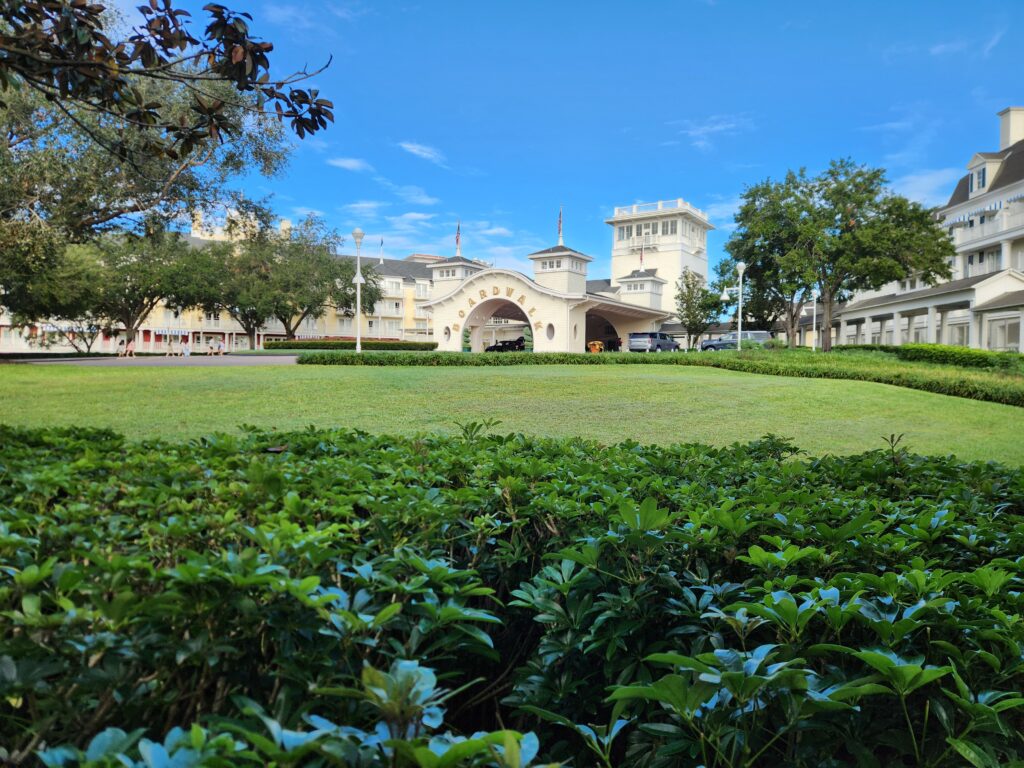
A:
(650, 404)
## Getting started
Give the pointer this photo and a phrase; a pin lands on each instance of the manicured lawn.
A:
(652, 404)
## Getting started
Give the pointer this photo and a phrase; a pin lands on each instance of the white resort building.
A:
(982, 305)
(466, 303)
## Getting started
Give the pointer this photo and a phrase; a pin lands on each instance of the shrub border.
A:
(350, 344)
(1007, 392)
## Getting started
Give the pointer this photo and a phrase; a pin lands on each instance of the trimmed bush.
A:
(323, 598)
(991, 387)
(962, 356)
(346, 344)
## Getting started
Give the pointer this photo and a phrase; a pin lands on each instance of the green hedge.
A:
(346, 344)
(943, 355)
(993, 388)
(334, 598)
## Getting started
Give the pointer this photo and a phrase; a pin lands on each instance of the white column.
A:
(974, 330)
(842, 331)
(1006, 257)
(897, 328)
(932, 335)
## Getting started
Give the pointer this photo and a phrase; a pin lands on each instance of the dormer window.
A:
(981, 178)
(970, 182)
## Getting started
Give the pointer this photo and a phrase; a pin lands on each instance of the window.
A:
(212, 319)
(629, 230)
(396, 306)
(981, 178)
(394, 287)
(369, 324)
(958, 335)
(1004, 334)
(970, 187)
(422, 291)
(622, 233)
(391, 326)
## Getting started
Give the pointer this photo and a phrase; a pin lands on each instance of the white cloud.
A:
(410, 220)
(952, 46)
(992, 43)
(722, 211)
(350, 164)
(369, 209)
(424, 152)
(302, 211)
(415, 195)
(496, 232)
(701, 132)
(931, 187)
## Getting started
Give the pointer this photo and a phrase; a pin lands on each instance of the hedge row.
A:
(344, 344)
(943, 354)
(996, 389)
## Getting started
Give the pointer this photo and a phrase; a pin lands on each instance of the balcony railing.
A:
(997, 226)
(662, 205)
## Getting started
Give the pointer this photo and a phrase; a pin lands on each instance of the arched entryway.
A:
(493, 321)
(601, 328)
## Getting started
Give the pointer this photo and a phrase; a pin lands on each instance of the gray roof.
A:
(1011, 170)
(601, 286)
(411, 270)
(1003, 301)
(637, 274)
(556, 249)
(951, 287)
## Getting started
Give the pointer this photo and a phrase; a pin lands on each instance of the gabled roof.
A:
(936, 290)
(1003, 301)
(601, 286)
(1011, 170)
(643, 274)
(403, 268)
(560, 250)
(458, 260)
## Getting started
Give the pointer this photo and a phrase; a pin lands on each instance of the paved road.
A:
(196, 361)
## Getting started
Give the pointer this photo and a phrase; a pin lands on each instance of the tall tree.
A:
(855, 235)
(696, 306)
(308, 277)
(72, 53)
(778, 283)
(138, 273)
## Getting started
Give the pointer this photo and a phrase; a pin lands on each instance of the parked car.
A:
(652, 341)
(729, 341)
(508, 345)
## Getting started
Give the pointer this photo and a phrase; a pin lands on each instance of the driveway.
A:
(196, 361)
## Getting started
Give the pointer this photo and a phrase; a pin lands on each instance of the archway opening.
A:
(600, 328)
(497, 325)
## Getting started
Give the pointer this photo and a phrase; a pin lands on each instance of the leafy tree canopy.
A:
(696, 305)
(64, 51)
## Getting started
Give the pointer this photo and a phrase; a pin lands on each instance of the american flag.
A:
(382, 250)
(641, 255)
(458, 233)
(559, 222)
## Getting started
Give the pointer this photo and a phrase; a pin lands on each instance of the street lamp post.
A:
(358, 280)
(740, 268)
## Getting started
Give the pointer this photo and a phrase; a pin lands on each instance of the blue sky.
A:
(497, 113)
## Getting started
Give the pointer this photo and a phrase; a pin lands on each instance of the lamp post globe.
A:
(357, 236)
(725, 295)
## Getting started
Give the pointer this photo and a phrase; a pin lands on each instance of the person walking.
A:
(220, 347)
(120, 348)
(186, 347)
(170, 347)
(129, 351)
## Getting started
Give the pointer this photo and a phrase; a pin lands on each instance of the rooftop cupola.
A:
(561, 269)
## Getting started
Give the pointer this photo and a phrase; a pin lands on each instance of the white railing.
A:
(997, 226)
(644, 240)
(662, 205)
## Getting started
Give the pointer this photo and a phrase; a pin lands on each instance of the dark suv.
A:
(729, 341)
(509, 345)
(652, 341)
